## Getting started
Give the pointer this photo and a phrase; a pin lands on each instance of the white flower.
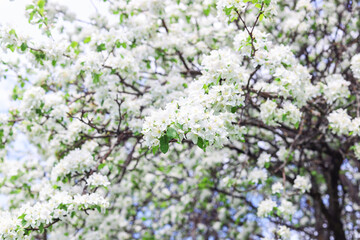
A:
(263, 159)
(223, 5)
(32, 100)
(284, 232)
(283, 154)
(224, 63)
(289, 113)
(267, 111)
(277, 188)
(265, 207)
(355, 66)
(339, 121)
(302, 183)
(357, 150)
(257, 175)
(304, 4)
(355, 126)
(98, 179)
(336, 88)
(77, 160)
(287, 208)
(242, 43)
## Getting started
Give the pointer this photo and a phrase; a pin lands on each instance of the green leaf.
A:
(1, 134)
(155, 149)
(87, 40)
(218, 79)
(29, 7)
(207, 11)
(74, 44)
(41, 3)
(267, 164)
(206, 88)
(101, 47)
(96, 77)
(120, 44)
(11, 47)
(261, 17)
(15, 191)
(14, 178)
(23, 222)
(201, 143)
(285, 65)
(228, 10)
(123, 16)
(101, 166)
(171, 133)
(12, 32)
(41, 228)
(164, 144)
(98, 208)
(284, 116)
(31, 16)
(234, 109)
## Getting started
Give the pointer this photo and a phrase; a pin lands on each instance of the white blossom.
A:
(266, 207)
(339, 121)
(302, 183)
(284, 232)
(98, 179)
(277, 187)
(355, 65)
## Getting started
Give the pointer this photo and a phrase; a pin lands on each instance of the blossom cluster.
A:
(342, 124)
(42, 214)
(76, 161)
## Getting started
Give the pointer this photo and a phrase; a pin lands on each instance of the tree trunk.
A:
(333, 180)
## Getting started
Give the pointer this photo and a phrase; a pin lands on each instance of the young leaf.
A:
(164, 144)
(171, 133)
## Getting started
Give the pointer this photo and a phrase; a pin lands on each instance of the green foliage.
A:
(164, 144)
